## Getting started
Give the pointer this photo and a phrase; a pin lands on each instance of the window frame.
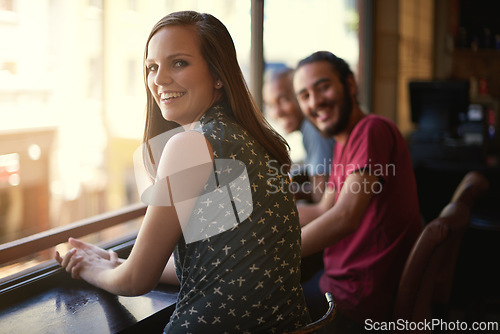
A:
(17, 249)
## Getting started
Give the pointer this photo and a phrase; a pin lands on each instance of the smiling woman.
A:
(178, 77)
(211, 204)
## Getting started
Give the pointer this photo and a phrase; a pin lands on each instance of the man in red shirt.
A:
(369, 217)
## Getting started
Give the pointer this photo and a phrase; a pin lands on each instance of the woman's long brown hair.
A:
(218, 50)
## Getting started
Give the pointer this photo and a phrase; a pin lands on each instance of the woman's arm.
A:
(161, 228)
(142, 270)
(169, 276)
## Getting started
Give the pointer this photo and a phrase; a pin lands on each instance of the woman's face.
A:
(178, 76)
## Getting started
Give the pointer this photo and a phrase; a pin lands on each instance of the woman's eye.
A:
(152, 68)
(180, 63)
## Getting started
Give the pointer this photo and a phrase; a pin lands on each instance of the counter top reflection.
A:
(58, 304)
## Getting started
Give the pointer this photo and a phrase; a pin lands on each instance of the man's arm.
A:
(318, 183)
(318, 161)
(341, 219)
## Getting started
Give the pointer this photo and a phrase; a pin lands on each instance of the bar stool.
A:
(320, 323)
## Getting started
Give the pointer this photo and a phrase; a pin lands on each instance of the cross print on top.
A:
(248, 252)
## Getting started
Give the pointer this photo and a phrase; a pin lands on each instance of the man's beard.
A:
(345, 109)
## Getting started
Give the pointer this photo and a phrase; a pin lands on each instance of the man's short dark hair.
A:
(338, 64)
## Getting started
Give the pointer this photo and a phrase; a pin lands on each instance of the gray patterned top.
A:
(245, 279)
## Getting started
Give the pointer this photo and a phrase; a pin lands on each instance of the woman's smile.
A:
(168, 97)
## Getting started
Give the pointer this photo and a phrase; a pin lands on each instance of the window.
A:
(8, 11)
(8, 68)
(95, 3)
(72, 137)
(94, 83)
(7, 5)
(133, 77)
(294, 29)
(9, 170)
(10, 178)
(81, 101)
(132, 5)
(76, 111)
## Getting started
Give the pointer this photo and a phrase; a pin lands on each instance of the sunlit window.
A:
(72, 99)
(294, 29)
(7, 5)
(8, 12)
(73, 115)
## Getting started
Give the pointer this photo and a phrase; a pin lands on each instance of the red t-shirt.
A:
(363, 270)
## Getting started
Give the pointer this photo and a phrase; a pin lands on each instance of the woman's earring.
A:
(218, 84)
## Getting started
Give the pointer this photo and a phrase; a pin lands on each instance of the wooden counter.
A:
(55, 303)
